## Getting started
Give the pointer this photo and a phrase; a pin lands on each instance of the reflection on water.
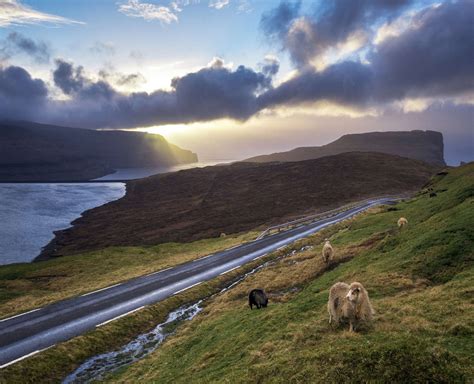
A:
(29, 213)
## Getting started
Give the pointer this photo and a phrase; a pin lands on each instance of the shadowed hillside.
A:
(36, 152)
(203, 202)
(420, 145)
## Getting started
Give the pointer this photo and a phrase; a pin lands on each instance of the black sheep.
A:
(258, 298)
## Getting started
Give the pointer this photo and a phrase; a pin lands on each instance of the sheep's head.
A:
(355, 291)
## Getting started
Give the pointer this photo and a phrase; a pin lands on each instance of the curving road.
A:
(29, 333)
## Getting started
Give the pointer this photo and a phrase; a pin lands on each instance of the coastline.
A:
(33, 212)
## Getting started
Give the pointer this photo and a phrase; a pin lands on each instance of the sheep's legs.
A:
(351, 327)
(330, 318)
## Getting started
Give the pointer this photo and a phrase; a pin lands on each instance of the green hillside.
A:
(420, 280)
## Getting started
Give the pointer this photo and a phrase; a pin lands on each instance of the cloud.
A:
(219, 92)
(219, 63)
(149, 12)
(244, 6)
(101, 48)
(333, 22)
(428, 61)
(21, 96)
(275, 23)
(347, 83)
(12, 12)
(270, 65)
(210, 93)
(67, 78)
(434, 57)
(17, 43)
(122, 79)
(431, 59)
(218, 4)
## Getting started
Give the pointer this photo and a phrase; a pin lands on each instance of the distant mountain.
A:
(201, 203)
(36, 152)
(419, 145)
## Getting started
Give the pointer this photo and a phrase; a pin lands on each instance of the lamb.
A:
(402, 222)
(349, 302)
(328, 251)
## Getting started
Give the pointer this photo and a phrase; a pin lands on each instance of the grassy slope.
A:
(53, 365)
(31, 285)
(420, 281)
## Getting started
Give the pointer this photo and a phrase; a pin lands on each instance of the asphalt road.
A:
(29, 333)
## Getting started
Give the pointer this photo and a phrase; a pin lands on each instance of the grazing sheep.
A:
(349, 302)
(222, 235)
(258, 298)
(402, 222)
(328, 252)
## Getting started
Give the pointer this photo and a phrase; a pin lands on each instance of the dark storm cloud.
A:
(219, 92)
(21, 96)
(72, 81)
(344, 83)
(437, 58)
(433, 60)
(210, 93)
(67, 78)
(331, 23)
(17, 43)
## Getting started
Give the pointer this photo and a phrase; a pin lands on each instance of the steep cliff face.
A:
(419, 145)
(32, 151)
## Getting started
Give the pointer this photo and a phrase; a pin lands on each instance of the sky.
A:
(230, 79)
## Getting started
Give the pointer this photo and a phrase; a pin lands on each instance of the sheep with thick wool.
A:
(328, 252)
(349, 302)
(402, 222)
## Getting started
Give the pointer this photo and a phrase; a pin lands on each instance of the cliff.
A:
(36, 152)
(426, 146)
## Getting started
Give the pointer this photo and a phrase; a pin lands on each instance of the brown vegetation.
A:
(205, 202)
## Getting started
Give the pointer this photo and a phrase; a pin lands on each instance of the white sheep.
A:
(349, 302)
(328, 251)
(402, 222)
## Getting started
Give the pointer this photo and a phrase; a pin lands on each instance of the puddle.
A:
(98, 366)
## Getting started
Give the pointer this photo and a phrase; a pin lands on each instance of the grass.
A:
(420, 280)
(423, 329)
(54, 364)
(27, 286)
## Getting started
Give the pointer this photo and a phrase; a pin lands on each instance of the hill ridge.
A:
(421, 145)
(33, 151)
